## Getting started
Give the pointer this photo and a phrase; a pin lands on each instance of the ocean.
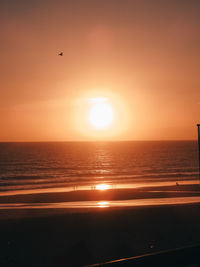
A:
(71, 164)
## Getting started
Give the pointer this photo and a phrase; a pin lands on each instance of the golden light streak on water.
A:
(103, 204)
(102, 186)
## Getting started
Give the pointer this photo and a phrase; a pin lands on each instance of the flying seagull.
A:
(60, 54)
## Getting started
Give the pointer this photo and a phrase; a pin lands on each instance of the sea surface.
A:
(62, 164)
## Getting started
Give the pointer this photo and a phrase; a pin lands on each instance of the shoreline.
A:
(81, 201)
(158, 202)
(74, 188)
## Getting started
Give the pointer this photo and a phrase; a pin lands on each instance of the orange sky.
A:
(144, 55)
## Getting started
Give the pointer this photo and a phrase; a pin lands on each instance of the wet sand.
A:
(77, 237)
(182, 190)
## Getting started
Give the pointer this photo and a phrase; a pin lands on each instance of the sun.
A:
(101, 113)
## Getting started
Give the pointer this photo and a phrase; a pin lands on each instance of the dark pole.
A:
(198, 126)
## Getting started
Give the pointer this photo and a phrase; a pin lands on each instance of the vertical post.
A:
(198, 126)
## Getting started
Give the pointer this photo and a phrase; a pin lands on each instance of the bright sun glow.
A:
(103, 204)
(103, 186)
(101, 113)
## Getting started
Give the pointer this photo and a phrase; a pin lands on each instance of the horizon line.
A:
(94, 141)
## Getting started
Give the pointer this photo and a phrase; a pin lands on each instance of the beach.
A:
(33, 234)
(82, 203)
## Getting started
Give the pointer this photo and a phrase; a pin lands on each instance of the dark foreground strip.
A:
(184, 256)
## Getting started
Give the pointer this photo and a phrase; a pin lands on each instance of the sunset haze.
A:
(143, 56)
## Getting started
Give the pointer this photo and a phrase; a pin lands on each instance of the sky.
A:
(141, 55)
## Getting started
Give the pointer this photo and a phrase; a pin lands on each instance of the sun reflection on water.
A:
(102, 186)
(103, 204)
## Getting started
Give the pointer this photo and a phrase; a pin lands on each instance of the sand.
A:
(78, 237)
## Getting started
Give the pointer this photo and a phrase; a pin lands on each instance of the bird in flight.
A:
(60, 54)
